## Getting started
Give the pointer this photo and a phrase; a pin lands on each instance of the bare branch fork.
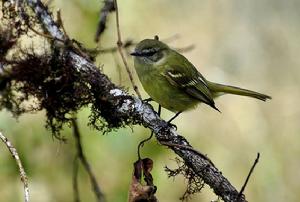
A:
(15, 154)
(119, 107)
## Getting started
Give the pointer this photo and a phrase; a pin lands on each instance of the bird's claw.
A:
(148, 100)
(172, 125)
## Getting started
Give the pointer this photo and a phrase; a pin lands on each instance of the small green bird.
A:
(173, 82)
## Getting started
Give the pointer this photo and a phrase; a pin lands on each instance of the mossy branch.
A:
(116, 106)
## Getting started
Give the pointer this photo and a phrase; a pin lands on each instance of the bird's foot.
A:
(169, 124)
(148, 100)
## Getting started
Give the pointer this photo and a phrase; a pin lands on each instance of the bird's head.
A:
(150, 51)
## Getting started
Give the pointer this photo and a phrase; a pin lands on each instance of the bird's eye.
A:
(149, 52)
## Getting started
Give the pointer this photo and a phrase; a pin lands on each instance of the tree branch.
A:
(15, 155)
(117, 107)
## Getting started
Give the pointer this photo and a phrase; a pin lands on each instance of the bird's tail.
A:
(220, 89)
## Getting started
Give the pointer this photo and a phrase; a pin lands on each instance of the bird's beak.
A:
(137, 54)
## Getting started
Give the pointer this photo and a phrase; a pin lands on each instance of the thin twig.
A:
(127, 44)
(119, 43)
(44, 35)
(60, 21)
(15, 155)
(96, 188)
(106, 50)
(249, 175)
(75, 180)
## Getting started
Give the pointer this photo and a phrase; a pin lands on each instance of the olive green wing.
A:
(190, 81)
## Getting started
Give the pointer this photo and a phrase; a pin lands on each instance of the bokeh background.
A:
(250, 43)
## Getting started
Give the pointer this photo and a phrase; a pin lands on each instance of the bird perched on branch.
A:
(173, 82)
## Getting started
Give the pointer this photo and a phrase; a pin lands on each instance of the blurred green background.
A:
(250, 43)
